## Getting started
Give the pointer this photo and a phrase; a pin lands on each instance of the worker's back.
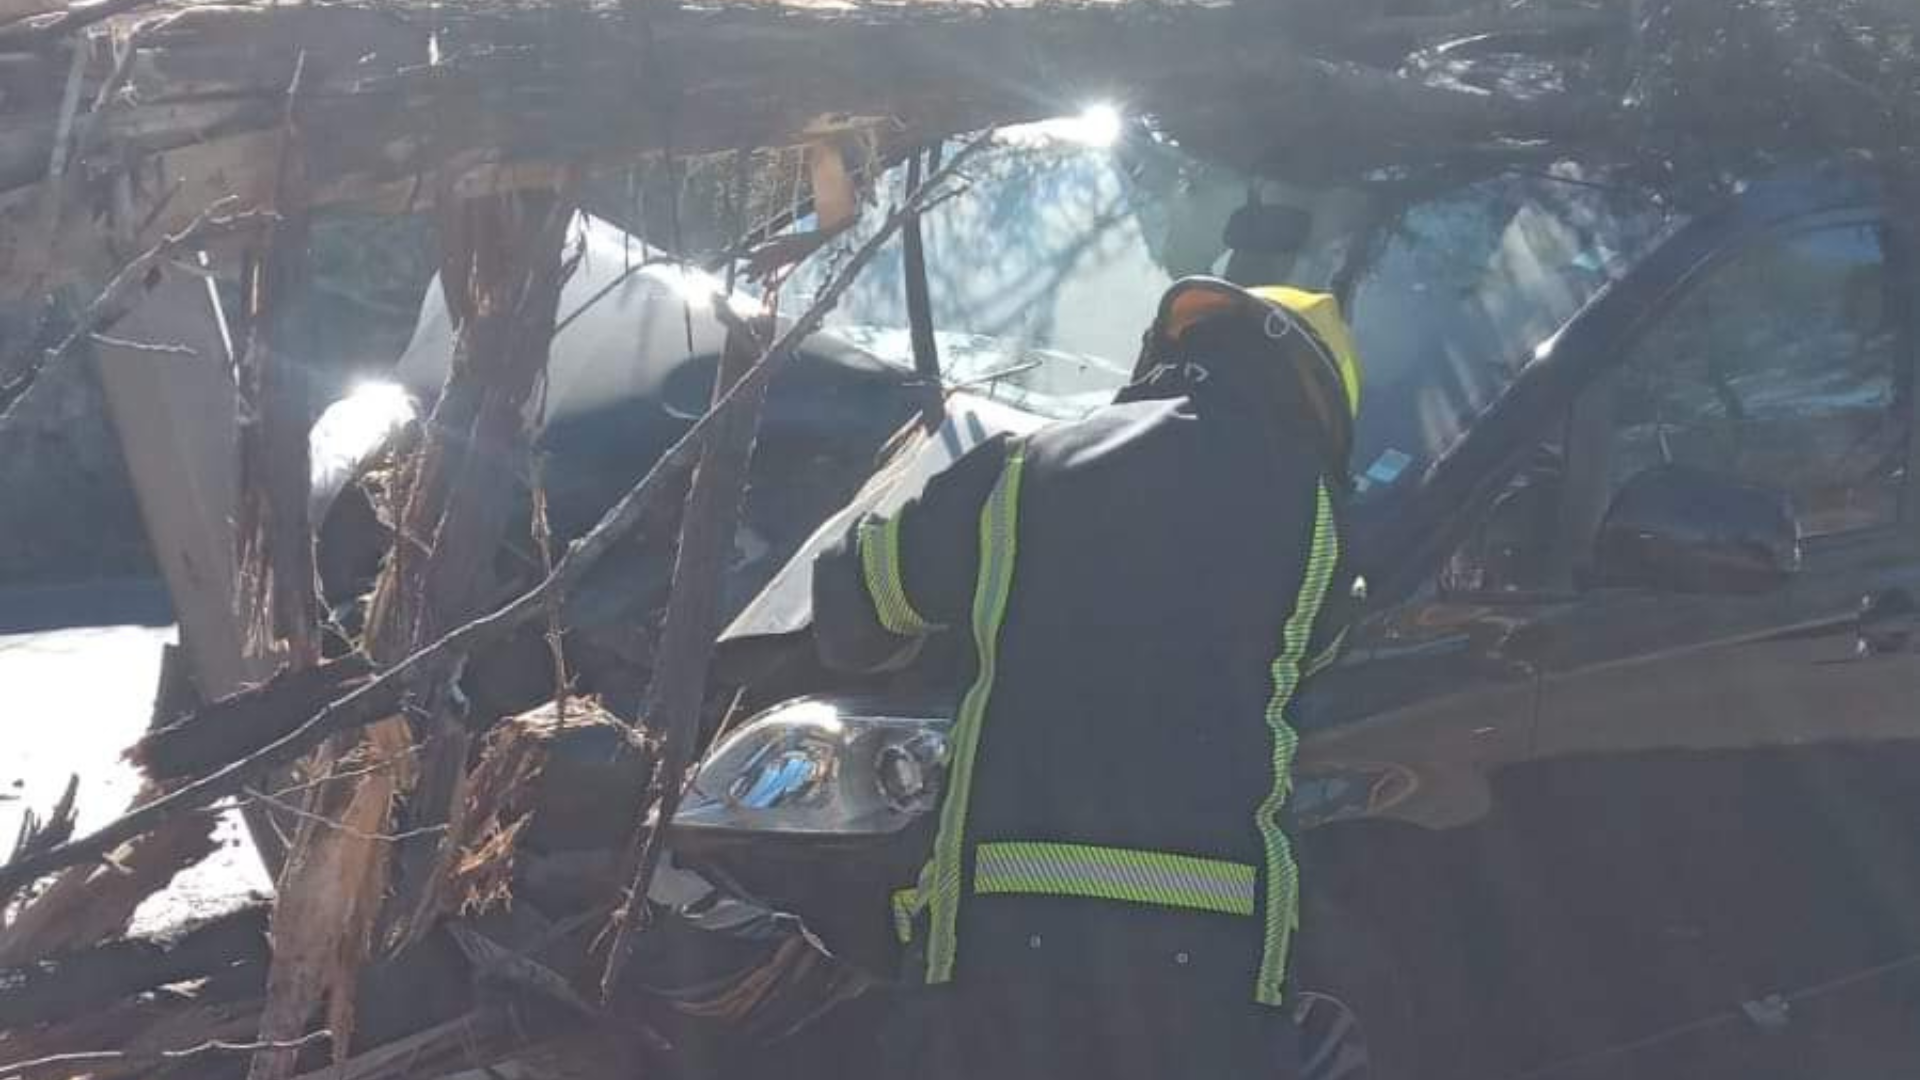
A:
(1110, 892)
(1161, 546)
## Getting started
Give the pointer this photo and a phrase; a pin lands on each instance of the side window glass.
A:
(1781, 368)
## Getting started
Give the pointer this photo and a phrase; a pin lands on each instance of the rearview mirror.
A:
(1263, 229)
(1685, 530)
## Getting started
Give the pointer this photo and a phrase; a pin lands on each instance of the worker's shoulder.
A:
(1115, 433)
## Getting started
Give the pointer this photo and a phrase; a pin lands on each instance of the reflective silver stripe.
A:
(1103, 873)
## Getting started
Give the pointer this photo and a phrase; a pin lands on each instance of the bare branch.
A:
(122, 293)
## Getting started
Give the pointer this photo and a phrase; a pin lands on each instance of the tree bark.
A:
(275, 595)
(514, 91)
(502, 270)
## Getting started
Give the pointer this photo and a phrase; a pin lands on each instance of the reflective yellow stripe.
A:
(880, 563)
(1103, 873)
(906, 908)
(940, 881)
(1283, 875)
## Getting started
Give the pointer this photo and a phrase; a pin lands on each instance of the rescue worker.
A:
(1110, 893)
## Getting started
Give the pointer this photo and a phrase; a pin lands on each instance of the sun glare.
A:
(1098, 125)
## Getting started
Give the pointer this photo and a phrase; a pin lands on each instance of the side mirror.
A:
(1507, 553)
(1684, 530)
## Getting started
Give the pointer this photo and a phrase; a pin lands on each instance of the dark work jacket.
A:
(1161, 547)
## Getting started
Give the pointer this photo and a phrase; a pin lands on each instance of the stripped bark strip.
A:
(329, 896)
(370, 702)
(276, 600)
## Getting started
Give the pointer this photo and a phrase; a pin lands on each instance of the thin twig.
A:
(365, 704)
(17, 1069)
(143, 346)
(556, 641)
(340, 826)
(335, 776)
(114, 301)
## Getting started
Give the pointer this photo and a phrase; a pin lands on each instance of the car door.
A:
(1786, 363)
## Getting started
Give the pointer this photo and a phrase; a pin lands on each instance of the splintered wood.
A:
(354, 884)
(503, 794)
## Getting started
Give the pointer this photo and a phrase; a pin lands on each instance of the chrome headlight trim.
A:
(822, 767)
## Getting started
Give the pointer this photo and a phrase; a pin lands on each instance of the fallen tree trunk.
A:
(504, 98)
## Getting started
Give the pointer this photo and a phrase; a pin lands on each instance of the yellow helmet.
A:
(1321, 311)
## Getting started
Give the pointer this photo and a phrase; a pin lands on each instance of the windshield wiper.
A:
(997, 374)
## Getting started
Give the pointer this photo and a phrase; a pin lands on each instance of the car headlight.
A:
(820, 766)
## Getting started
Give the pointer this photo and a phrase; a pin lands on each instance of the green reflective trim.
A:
(1283, 875)
(1103, 873)
(906, 908)
(940, 881)
(879, 541)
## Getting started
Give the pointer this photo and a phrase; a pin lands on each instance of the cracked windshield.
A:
(1045, 269)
